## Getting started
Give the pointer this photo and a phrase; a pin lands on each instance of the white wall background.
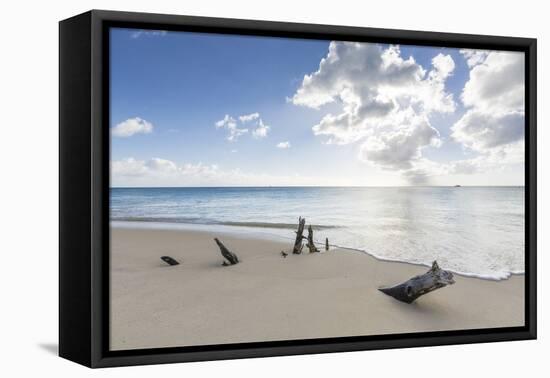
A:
(29, 174)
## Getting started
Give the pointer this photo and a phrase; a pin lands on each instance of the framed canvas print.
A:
(234, 188)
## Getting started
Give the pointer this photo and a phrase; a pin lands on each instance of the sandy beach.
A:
(267, 297)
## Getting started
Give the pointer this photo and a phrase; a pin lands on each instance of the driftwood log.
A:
(326, 244)
(231, 258)
(310, 243)
(298, 245)
(433, 279)
(169, 260)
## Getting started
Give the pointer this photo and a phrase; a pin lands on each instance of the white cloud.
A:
(495, 159)
(497, 84)
(474, 57)
(423, 171)
(261, 130)
(372, 81)
(283, 145)
(162, 172)
(494, 124)
(230, 125)
(161, 165)
(158, 170)
(225, 122)
(131, 127)
(400, 147)
(129, 167)
(386, 101)
(481, 131)
(249, 117)
(153, 33)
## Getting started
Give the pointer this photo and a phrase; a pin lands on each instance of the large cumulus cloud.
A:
(385, 102)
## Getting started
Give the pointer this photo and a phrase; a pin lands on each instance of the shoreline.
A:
(267, 297)
(256, 232)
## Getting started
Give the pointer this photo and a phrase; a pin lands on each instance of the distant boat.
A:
(457, 186)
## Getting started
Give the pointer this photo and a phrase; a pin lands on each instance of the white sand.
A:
(267, 297)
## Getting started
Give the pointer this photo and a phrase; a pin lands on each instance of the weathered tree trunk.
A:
(168, 260)
(298, 245)
(310, 244)
(229, 256)
(433, 279)
(326, 244)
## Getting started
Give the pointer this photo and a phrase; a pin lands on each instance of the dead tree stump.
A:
(410, 290)
(298, 245)
(310, 243)
(231, 258)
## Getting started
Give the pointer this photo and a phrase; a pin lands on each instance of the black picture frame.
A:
(84, 188)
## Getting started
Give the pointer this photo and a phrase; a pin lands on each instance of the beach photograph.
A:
(274, 189)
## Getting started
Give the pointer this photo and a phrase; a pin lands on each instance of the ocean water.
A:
(477, 231)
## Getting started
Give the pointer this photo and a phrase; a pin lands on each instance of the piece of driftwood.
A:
(326, 244)
(231, 258)
(298, 245)
(433, 279)
(310, 243)
(169, 260)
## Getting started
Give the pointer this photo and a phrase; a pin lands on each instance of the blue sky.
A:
(169, 89)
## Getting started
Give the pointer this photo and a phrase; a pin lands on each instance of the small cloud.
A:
(234, 151)
(249, 117)
(227, 121)
(474, 57)
(230, 125)
(153, 33)
(161, 165)
(260, 131)
(131, 127)
(283, 145)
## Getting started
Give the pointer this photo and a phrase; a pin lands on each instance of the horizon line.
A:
(317, 186)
